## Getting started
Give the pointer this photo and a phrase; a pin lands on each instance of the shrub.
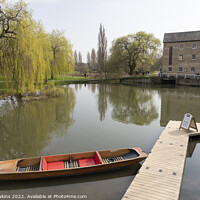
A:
(53, 91)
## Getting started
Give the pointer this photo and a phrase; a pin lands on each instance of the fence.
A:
(176, 75)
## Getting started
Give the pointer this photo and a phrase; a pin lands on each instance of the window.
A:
(192, 69)
(194, 45)
(180, 69)
(181, 46)
(170, 55)
(180, 57)
(169, 69)
(193, 56)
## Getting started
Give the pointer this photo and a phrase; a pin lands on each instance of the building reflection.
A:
(175, 103)
(192, 145)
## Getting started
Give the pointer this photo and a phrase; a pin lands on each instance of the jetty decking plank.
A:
(160, 176)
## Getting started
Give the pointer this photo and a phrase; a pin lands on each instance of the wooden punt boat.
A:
(69, 164)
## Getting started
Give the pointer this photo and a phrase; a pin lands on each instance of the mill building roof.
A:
(182, 37)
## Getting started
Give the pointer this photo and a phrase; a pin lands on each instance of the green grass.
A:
(69, 78)
(2, 78)
(61, 80)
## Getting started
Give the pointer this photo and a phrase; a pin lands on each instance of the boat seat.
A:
(86, 162)
(90, 161)
(52, 165)
(110, 160)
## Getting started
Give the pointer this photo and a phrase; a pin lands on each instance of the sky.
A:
(80, 19)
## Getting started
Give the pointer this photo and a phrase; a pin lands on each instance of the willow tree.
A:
(10, 14)
(25, 57)
(63, 57)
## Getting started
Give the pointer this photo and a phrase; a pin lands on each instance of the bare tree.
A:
(102, 50)
(88, 60)
(75, 57)
(93, 60)
(79, 58)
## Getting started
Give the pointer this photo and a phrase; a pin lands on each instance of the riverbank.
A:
(6, 91)
(150, 79)
(49, 90)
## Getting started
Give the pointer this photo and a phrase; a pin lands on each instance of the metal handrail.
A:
(177, 75)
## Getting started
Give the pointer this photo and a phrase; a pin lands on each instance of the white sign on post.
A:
(187, 122)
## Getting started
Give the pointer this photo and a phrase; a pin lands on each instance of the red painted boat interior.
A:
(60, 164)
(52, 165)
(55, 165)
(97, 159)
(86, 162)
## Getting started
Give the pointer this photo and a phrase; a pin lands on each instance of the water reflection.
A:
(50, 182)
(192, 145)
(26, 128)
(103, 186)
(102, 100)
(176, 102)
(129, 104)
(41, 127)
(190, 185)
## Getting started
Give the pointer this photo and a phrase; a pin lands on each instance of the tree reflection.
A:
(27, 128)
(93, 88)
(102, 100)
(130, 104)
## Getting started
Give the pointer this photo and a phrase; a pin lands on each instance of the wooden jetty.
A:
(160, 176)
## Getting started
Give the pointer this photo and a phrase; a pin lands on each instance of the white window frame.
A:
(170, 70)
(195, 46)
(180, 68)
(181, 46)
(195, 57)
(180, 57)
(192, 70)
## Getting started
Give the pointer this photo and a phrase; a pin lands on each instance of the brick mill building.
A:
(181, 53)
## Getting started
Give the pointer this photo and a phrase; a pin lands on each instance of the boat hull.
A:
(8, 168)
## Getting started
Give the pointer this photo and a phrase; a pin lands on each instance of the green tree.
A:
(133, 51)
(28, 55)
(63, 57)
(10, 15)
(25, 57)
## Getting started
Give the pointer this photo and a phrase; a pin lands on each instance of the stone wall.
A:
(187, 61)
(188, 82)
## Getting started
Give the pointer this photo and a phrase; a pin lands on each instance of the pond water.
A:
(95, 117)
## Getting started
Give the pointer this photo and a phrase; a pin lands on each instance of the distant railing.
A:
(176, 75)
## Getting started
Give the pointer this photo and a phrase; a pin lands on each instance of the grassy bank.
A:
(6, 90)
(69, 80)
